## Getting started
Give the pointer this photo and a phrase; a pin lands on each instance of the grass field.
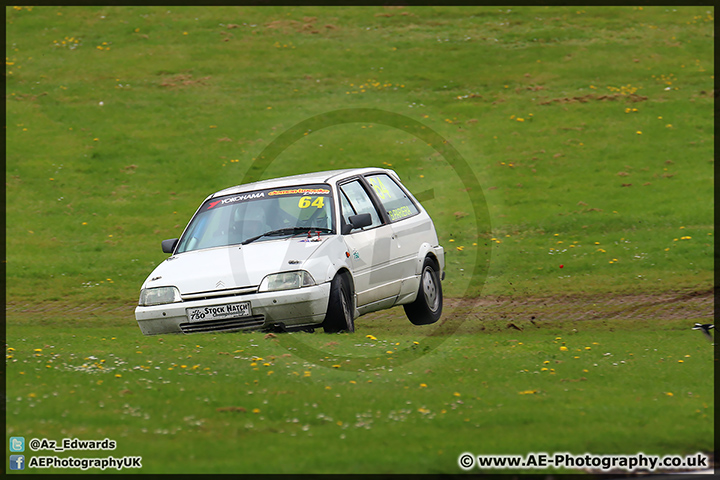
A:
(242, 403)
(588, 131)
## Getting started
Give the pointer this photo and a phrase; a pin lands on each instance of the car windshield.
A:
(260, 216)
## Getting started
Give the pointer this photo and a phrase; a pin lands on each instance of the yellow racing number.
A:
(305, 202)
(381, 190)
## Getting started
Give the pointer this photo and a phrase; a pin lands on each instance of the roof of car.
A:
(305, 178)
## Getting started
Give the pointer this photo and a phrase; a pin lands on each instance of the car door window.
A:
(359, 201)
(394, 200)
(346, 208)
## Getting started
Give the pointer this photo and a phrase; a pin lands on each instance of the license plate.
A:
(219, 312)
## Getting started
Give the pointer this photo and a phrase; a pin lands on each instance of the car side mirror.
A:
(357, 221)
(168, 246)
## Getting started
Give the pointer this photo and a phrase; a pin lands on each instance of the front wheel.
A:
(339, 316)
(427, 307)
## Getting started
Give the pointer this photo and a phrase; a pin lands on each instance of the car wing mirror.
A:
(168, 246)
(359, 221)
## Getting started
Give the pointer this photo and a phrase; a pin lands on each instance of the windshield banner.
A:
(249, 196)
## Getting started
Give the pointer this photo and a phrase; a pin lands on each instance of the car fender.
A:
(338, 259)
(327, 260)
(436, 251)
(334, 268)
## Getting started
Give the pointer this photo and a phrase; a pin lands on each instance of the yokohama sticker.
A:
(235, 199)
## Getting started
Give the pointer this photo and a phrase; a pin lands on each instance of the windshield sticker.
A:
(305, 202)
(244, 197)
(235, 199)
(303, 191)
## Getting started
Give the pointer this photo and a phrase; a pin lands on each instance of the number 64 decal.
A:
(305, 202)
(381, 190)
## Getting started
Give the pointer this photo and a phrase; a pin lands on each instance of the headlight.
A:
(159, 296)
(286, 281)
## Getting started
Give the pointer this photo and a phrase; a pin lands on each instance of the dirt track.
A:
(672, 305)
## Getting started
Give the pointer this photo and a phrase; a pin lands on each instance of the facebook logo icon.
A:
(17, 462)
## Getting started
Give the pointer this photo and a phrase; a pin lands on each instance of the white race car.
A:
(297, 253)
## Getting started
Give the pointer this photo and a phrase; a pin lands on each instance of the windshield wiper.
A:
(284, 231)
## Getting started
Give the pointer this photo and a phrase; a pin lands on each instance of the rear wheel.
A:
(339, 316)
(427, 307)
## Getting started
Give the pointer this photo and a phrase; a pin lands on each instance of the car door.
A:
(369, 247)
(410, 228)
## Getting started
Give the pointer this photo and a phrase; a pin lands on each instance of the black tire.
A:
(339, 316)
(427, 307)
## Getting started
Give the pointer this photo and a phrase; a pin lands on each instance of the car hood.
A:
(232, 267)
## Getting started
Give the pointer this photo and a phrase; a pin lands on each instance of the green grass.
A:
(588, 126)
(497, 392)
(185, 113)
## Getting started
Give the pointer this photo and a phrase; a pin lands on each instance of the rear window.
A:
(394, 200)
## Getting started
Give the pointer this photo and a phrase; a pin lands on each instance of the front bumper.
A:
(297, 307)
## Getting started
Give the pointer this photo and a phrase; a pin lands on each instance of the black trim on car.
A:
(223, 324)
(374, 198)
(384, 220)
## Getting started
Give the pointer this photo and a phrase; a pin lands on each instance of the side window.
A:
(359, 201)
(394, 200)
(346, 208)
